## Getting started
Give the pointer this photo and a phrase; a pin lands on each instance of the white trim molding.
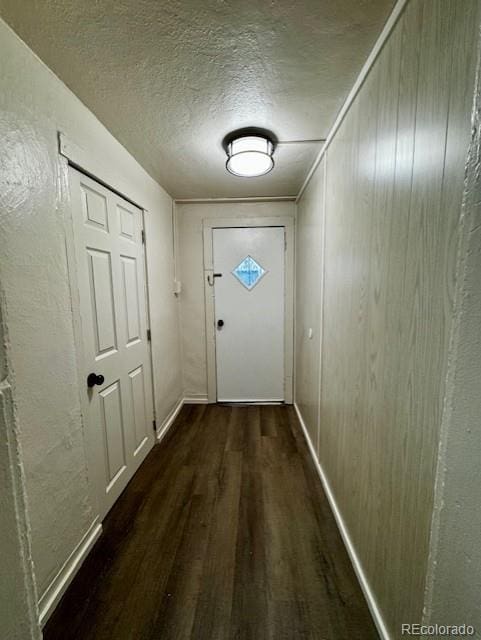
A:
(346, 538)
(64, 577)
(169, 421)
(196, 399)
(92, 166)
(376, 50)
(234, 199)
(275, 221)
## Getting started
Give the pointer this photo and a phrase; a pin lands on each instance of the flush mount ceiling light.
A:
(249, 155)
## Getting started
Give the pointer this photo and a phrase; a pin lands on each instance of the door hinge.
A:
(149, 335)
(143, 236)
(285, 241)
(154, 425)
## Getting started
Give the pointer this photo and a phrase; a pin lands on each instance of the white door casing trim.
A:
(77, 330)
(101, 172)
(93, 167)
(213, 223)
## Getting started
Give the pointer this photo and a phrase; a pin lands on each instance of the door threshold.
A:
(249, 403)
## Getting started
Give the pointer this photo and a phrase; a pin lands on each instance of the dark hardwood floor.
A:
(224, 533)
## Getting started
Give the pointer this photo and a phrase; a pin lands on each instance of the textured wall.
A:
(191, 265)
(18, 613)
(309, 232)
(34, 104)
(454, 585)
(393, 200)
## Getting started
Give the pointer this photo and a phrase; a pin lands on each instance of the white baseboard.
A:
(169, 421)
(356, 563)
(242, 401)
(64, 577)
(59, 584)
(200, 399)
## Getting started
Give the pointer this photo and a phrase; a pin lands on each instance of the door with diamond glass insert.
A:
(249, 313)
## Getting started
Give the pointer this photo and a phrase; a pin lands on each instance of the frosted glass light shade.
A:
(250, 156)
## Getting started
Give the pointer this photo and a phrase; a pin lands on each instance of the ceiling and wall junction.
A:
(170, 79)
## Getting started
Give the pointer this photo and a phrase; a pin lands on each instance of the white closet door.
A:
(113, 313)
(249, 313)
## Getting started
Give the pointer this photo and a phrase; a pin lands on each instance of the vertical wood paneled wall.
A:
(391, 207)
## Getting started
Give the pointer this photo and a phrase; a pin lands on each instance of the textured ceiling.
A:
(170, 78)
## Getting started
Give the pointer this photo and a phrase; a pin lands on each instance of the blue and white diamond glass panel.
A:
(249, 272)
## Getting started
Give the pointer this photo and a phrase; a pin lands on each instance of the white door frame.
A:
(221, 223)
(72, 155)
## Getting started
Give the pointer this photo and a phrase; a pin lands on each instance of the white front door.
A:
(117, 404)
(249, 276)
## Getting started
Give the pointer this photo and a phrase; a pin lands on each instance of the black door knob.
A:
(93, 379)
(220, 324)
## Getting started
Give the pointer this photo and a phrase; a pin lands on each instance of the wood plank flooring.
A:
(224, 533)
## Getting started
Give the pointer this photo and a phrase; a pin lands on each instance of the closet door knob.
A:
(220, 324)
(93, 379)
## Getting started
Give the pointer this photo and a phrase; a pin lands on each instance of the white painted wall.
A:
(34, 105)
(189, 217)
(309, 247)
(164, 308)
